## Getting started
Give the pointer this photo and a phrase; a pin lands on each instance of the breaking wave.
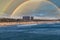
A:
(32, 31)
(33, 28)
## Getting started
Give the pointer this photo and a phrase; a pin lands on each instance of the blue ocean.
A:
(30, 32)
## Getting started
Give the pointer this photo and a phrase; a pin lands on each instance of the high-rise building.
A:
(27, 18)
(31, 18)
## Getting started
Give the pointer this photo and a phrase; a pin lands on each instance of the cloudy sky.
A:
(56, 2)
(9, 7)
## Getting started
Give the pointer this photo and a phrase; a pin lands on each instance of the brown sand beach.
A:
(31, 22)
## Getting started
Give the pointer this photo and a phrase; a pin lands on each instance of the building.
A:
(27, 18)
(32, 18)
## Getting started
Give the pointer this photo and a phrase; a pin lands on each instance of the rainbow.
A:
(13, 6)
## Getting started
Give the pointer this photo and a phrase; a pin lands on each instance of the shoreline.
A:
(30, 22)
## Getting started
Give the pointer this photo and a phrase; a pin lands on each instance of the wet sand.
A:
(31, 22)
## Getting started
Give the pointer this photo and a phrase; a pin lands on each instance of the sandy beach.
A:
(31, 22)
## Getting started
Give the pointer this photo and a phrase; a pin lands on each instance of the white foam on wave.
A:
(26, 25)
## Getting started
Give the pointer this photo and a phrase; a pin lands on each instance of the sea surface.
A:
(30, 32)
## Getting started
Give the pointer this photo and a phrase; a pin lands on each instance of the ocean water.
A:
(31, 32)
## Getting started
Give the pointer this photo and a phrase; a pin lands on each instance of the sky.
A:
(7, 7)
(56, 2)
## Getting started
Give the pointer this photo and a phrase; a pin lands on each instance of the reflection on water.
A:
(31, 32)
